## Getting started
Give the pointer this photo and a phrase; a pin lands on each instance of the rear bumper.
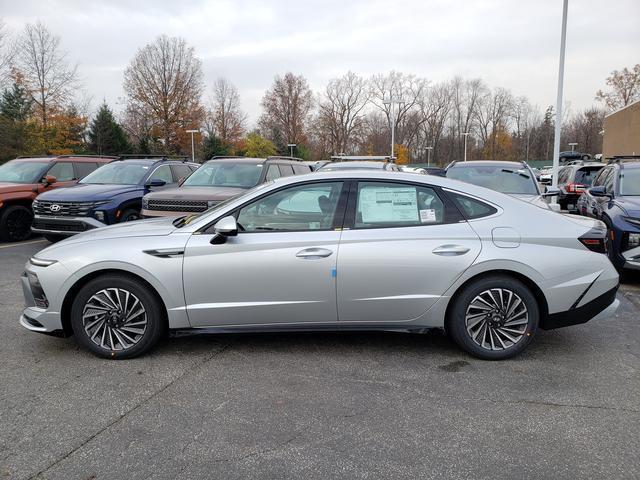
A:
(599, 308)
(65, 226)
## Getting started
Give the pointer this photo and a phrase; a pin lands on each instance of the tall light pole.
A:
(193, 149)
(291, 147)
(391, 102)
(556, 135)
(429, 156)
(465, 134)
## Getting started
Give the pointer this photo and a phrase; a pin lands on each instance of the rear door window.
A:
(180, 172)
(85, 168)
(286, 170)
(163, 173)
(301, 169)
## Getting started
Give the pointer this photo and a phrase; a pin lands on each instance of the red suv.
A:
(22, 179)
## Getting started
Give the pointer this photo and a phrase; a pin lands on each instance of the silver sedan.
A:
(351, 250)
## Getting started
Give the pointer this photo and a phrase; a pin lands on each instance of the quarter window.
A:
(382, 204)
(299, 208)
(470, 207)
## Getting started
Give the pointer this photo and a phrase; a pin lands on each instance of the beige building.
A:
(622, 131)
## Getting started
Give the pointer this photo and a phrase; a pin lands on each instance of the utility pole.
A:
(465, 134)
(429, 156)
(556, 136)
(391, 102)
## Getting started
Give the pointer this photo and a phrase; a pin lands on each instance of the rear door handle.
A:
(311, 253)
(450, 250)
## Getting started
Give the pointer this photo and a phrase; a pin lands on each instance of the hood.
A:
(88, 192)
(196, 193)
(6, 187)
(630, 204)
(140, 228)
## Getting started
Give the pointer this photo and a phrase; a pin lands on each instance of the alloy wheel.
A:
(114, 319)
(497, 319)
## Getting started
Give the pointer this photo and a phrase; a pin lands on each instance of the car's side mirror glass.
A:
(599, 191)
(156, 182)
(226, 227)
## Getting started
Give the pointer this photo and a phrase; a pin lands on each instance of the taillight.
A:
(596, 238)
(575, 187)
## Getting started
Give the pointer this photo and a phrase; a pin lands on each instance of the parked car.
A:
(512, 178)
(573, 155)
(22, 179)
(343, 250)
(216, 181)
(614, 198)
(573, 180)
(440, 172)
(546, 175)
(111, 194)
(357, 165)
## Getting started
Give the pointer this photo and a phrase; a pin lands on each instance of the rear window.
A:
(470, 207)
(586, 175)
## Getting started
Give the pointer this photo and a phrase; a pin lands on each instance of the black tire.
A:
(50, 237)
(130, 215)
(586, 157)
(457, 325)
(153, 314)
(563, 159)
(15, 223)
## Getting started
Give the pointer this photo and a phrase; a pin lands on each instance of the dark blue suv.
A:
(614, 198)
(111, 194)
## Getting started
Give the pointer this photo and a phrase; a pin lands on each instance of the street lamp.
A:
(193, 150)
(391, 102)
(429, 155)
(573, 146)
(291, 147)
(556, 135)
(465, 134)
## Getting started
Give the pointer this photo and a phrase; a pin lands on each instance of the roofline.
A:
(622, 108)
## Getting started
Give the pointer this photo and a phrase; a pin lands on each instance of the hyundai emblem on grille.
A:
(54, 208)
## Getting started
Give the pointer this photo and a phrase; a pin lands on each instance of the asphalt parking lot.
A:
(356, 405)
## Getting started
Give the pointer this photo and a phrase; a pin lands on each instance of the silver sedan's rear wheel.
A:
(117, 316)
(494, 317)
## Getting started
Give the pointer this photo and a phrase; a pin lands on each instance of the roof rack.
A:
(623, 159)
(44, 155)
(87, 156)
(362, 158)
(283, 157)
(218, 157)
(126, 156)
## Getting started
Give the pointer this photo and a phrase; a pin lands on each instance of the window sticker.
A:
(384, 204)
(428, 215)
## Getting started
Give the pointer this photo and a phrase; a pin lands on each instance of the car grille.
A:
(177, 205)
(62, 209)
(61, 226)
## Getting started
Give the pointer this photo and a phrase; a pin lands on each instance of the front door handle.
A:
(311, 253)
(450, 250)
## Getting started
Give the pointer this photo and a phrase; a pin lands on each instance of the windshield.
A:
(187, 219)
(630, 182)
(17, 171)
(506, 180)
(118, 173)
(225, 174)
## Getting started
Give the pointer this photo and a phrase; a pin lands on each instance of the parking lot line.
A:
(17, 244)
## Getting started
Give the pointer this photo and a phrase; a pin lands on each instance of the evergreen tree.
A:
(15, 104)
(213, 146)
(15, 133)
(106, 136)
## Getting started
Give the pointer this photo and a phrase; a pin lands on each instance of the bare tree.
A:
(341, 112)
(585, 129)
(435, 109)
(409, 90)
(465, 97)
(225, 118)
(165, 77)
(7, 51)
(493, 112)
(286, 108)
(624, 88)
(45, 72)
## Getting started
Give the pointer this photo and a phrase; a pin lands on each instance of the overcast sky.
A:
(508, 43)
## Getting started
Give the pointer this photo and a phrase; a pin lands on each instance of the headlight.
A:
(99, 214)
(39, 262)
(632, 220)
(633, 240)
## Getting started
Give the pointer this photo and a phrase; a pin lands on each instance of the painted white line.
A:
(9, 245)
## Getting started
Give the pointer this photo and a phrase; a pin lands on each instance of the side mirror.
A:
(225, 227)
(599, 191)
(550, 191)
(156, 182)
(49, 179)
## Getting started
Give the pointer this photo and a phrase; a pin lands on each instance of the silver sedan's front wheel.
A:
(494, 317)
(117, 316)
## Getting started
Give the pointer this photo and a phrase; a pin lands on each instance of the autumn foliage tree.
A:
(165, 79)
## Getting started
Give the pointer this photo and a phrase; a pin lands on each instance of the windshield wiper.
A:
(513, 171)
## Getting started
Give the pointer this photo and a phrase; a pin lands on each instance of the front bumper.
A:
(599, 308)
(65, 226)
(163, 213)
(38, 319)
